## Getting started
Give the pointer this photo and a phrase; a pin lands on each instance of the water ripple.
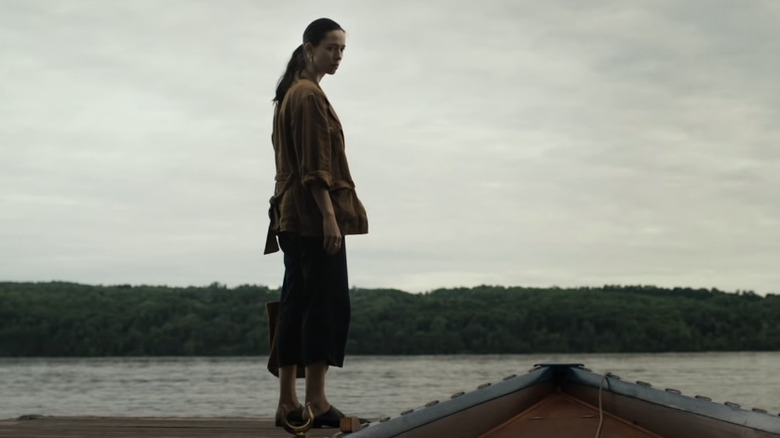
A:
(370, 386)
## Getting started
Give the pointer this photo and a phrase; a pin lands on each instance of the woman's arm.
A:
(331, 240)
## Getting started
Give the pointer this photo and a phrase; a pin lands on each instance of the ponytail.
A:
(294, 67)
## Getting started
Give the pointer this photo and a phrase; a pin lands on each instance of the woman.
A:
(314, 206)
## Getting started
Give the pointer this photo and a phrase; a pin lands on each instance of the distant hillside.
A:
(66, 319)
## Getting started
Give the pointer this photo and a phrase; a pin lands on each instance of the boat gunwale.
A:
(761, 421)
(562, 373)
(429, 413)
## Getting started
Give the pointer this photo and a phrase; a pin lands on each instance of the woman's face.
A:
(326, 56)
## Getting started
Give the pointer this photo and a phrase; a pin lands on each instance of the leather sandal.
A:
(331, 418)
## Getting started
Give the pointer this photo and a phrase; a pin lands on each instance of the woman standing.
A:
(314, 206)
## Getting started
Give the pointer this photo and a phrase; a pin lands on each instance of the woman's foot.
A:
(294, 415)
(329, 418)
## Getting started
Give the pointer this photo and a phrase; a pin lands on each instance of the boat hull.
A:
(568, 400)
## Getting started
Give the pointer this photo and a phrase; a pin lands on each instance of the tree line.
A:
(67, 319)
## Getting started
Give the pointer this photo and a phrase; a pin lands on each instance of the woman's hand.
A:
(331, 235)
(331, 240)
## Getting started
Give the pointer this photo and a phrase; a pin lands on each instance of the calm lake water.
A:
(370, 386)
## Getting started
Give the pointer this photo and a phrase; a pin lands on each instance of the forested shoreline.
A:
(66, 319)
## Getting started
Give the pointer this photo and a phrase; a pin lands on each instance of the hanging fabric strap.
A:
(271, 244)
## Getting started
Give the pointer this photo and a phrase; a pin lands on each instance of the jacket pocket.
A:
(349, 211)
(341, 198)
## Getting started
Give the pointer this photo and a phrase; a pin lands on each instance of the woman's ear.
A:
(308, 51)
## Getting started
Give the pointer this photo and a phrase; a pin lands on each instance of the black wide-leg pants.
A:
(315, 308)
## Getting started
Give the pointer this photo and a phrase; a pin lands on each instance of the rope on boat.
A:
(601, 409)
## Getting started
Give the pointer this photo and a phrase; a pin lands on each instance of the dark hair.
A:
(315, 32)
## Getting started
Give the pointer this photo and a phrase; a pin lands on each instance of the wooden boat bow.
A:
(568, 400)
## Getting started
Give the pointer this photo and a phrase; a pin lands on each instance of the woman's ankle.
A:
(319, 406)
(286, 407)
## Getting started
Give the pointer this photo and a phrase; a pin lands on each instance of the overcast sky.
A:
(518, 143)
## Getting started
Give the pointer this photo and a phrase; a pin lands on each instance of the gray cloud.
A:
(556, 143)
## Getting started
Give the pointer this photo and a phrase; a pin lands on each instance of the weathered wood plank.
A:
(116, 427)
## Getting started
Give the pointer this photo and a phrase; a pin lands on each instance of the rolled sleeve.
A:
(312, 141)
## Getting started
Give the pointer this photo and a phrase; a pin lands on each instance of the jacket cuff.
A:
(317, 177)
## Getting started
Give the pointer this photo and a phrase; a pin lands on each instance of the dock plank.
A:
(116, 427)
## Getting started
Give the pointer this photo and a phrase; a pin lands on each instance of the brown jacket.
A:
(309, 147)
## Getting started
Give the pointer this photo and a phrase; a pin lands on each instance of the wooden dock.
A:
(114, 427)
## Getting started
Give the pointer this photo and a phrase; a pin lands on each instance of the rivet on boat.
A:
(483, 386)
(763, 411)
(673, 391)
(431, 403)
(408, 411)
(732, 404)
(645, 384)
(457, 394)
(511, 376)
(701, 397)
